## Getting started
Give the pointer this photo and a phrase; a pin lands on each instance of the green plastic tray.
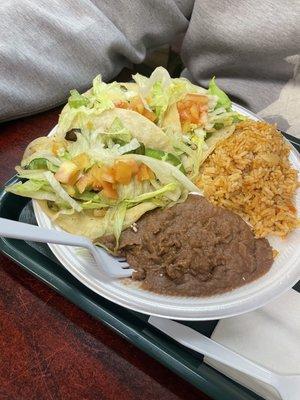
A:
(129, 324)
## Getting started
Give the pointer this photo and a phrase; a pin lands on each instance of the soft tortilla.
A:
(141, 128)
(171, 119)
(215, 139)
(84, 223)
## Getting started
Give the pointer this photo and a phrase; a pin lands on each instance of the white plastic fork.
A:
(19, 230)
(288, 386)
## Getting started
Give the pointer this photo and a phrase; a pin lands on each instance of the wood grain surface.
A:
(50, 349)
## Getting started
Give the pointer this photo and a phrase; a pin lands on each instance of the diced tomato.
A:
(133, 165)
(102, 177)
(149, 114)
(136, 104)
(96, 177)
(122, 104)
(96, 173)
(197, 98)
(84, 182)
(108, 174)
(184, 115)
(123, 172)
(56, 146)
(68, 173)
(82, 160)
(192, 109)
(145, 173)
(109, 190)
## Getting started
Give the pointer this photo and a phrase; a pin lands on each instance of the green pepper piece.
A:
(139, 150)
(153, 153)
(38, 163)
(168, 157)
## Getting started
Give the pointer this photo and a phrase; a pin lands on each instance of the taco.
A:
(93, 190)
(182, 122)
(195, 119)
(122, 149)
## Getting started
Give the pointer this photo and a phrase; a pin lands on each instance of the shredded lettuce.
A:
(160, 91)
(165, 172)
(34, 174)
(117, 131)
(159, 99)
(129, 147)
(34, 189)
(133, 189)
(119, 217)
(92, 145)
(42, 163)
(180, 87)
(198, 141)
(150, 195)
(103, 94)
(83, 108)
(40, 157)
(90, 205)
(168, 155)
(218, 120)
(60, 192)
(77, 100)
(155, 90)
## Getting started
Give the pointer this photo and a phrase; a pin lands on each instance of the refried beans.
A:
(193, 249)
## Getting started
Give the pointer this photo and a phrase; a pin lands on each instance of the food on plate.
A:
(113, 155)
(181, 121)
(90, 189)
(250, 174)
(122, 163)
(193, 249)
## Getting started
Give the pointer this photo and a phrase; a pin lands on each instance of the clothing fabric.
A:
(252, 47)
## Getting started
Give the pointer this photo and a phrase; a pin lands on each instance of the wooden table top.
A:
(50, 349)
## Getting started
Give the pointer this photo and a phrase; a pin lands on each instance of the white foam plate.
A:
(284, 273)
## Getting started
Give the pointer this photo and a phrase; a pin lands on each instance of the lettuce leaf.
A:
(198, 140)
(224, 119)
(117, 132)
(155, 91)
(60, 192)
(42, 163)
(34, 174)
(129, 147)
(118, 221)
(180, 87)
(34, 189)
(80, 106)
(39, 159)
(150, 195)
(166, 173)
(223, 99)
(77, 100)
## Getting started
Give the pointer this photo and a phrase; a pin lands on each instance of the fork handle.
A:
(23, 231)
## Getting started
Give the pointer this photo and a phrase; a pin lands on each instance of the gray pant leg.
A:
(50, 47)
(251, 47)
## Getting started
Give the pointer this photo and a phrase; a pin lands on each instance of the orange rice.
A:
(250, 174)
